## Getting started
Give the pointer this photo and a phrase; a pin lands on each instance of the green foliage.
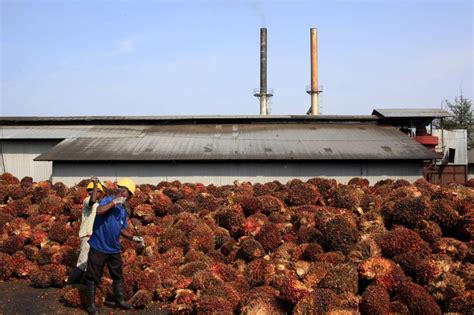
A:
(463, 119)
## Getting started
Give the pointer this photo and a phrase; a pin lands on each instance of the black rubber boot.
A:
(91, 309)
(118, 295)
(75, 277)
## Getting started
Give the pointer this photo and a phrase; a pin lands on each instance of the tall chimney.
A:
(313, 89)
(263, 93)
(263, 72)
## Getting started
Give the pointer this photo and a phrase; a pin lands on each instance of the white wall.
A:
(17, 156)
(227, 172)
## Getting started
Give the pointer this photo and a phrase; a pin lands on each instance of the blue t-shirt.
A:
(106, 230)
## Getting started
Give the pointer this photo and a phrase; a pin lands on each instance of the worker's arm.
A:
(93, 198)
(107, 204)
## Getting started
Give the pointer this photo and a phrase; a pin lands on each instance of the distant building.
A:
(212, 149)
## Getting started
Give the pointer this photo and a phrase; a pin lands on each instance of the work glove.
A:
(139, 239)
(94, 179)
(119, 200)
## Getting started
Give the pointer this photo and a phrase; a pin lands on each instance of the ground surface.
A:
(17, 297)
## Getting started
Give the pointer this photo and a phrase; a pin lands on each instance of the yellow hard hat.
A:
(90, 186)
(127, 183)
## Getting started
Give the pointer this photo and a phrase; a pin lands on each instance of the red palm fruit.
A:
(382, 272)
(463, 304)
(20, 227)
(320, 301)
(430, 231)
(223, 271)
(401, 240)
(311, 251)
(261, 300)
(341, 278)
(451, 247)
(418, 300)
(141, 299)
(12, 244)
(38, 194)
(145, 213)
(8, 179)
(465, 228)
(409, 211)
(189, 269)
(363, 250)
(255, 272)
(316, 273)
(446, 287)
(31, 252)
(76, 296)
(56, 273)
(271, 204)
(5, 218)
(331, 257)
(340, 235)
(375, 300)
(304, 194)
(26, 269)
(40, 278)
(52, 205)
(250, 249)
(26, 182)
(47, 252)
(60, 189)
(293, 290)
(444, 213)
(205, 279)
(183, 302)
(185, 222)
(359, 182)
(59, 232)
(231, 218)
(149, 280)
(202, 238)
(137, 199)
(12, 192)
(39, 237)
(324, 185)
(208, 304)
(249, 204)
(269, 237)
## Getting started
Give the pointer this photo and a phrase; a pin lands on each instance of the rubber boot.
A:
(118, 295)
(91, 309)
(75, 277)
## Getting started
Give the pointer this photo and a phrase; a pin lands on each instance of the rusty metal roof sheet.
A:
(246, 142)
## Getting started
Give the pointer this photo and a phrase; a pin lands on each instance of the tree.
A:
(462, 111)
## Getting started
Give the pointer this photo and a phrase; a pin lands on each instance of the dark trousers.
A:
(96, 262)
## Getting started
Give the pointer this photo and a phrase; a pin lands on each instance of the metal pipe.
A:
(314, 71)
(263, 72)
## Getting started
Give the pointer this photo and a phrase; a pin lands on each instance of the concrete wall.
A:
(16, 157)
(227, 172)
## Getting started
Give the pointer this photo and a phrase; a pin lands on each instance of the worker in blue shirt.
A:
(110, 223)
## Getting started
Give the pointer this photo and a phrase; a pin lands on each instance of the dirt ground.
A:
(17, 297)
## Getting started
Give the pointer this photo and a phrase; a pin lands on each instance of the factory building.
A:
(212, 149)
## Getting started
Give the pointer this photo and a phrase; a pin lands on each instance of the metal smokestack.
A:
(263, 72)
(263, 93)
(313, 90)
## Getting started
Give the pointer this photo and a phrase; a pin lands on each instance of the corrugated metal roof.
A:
(247, 142)
(411, 112)
(203, 118)
(66, 132)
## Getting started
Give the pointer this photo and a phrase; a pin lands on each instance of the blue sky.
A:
(202, 57)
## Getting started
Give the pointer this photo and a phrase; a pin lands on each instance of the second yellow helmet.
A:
(127, 183)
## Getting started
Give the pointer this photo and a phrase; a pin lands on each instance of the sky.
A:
(97, 57)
